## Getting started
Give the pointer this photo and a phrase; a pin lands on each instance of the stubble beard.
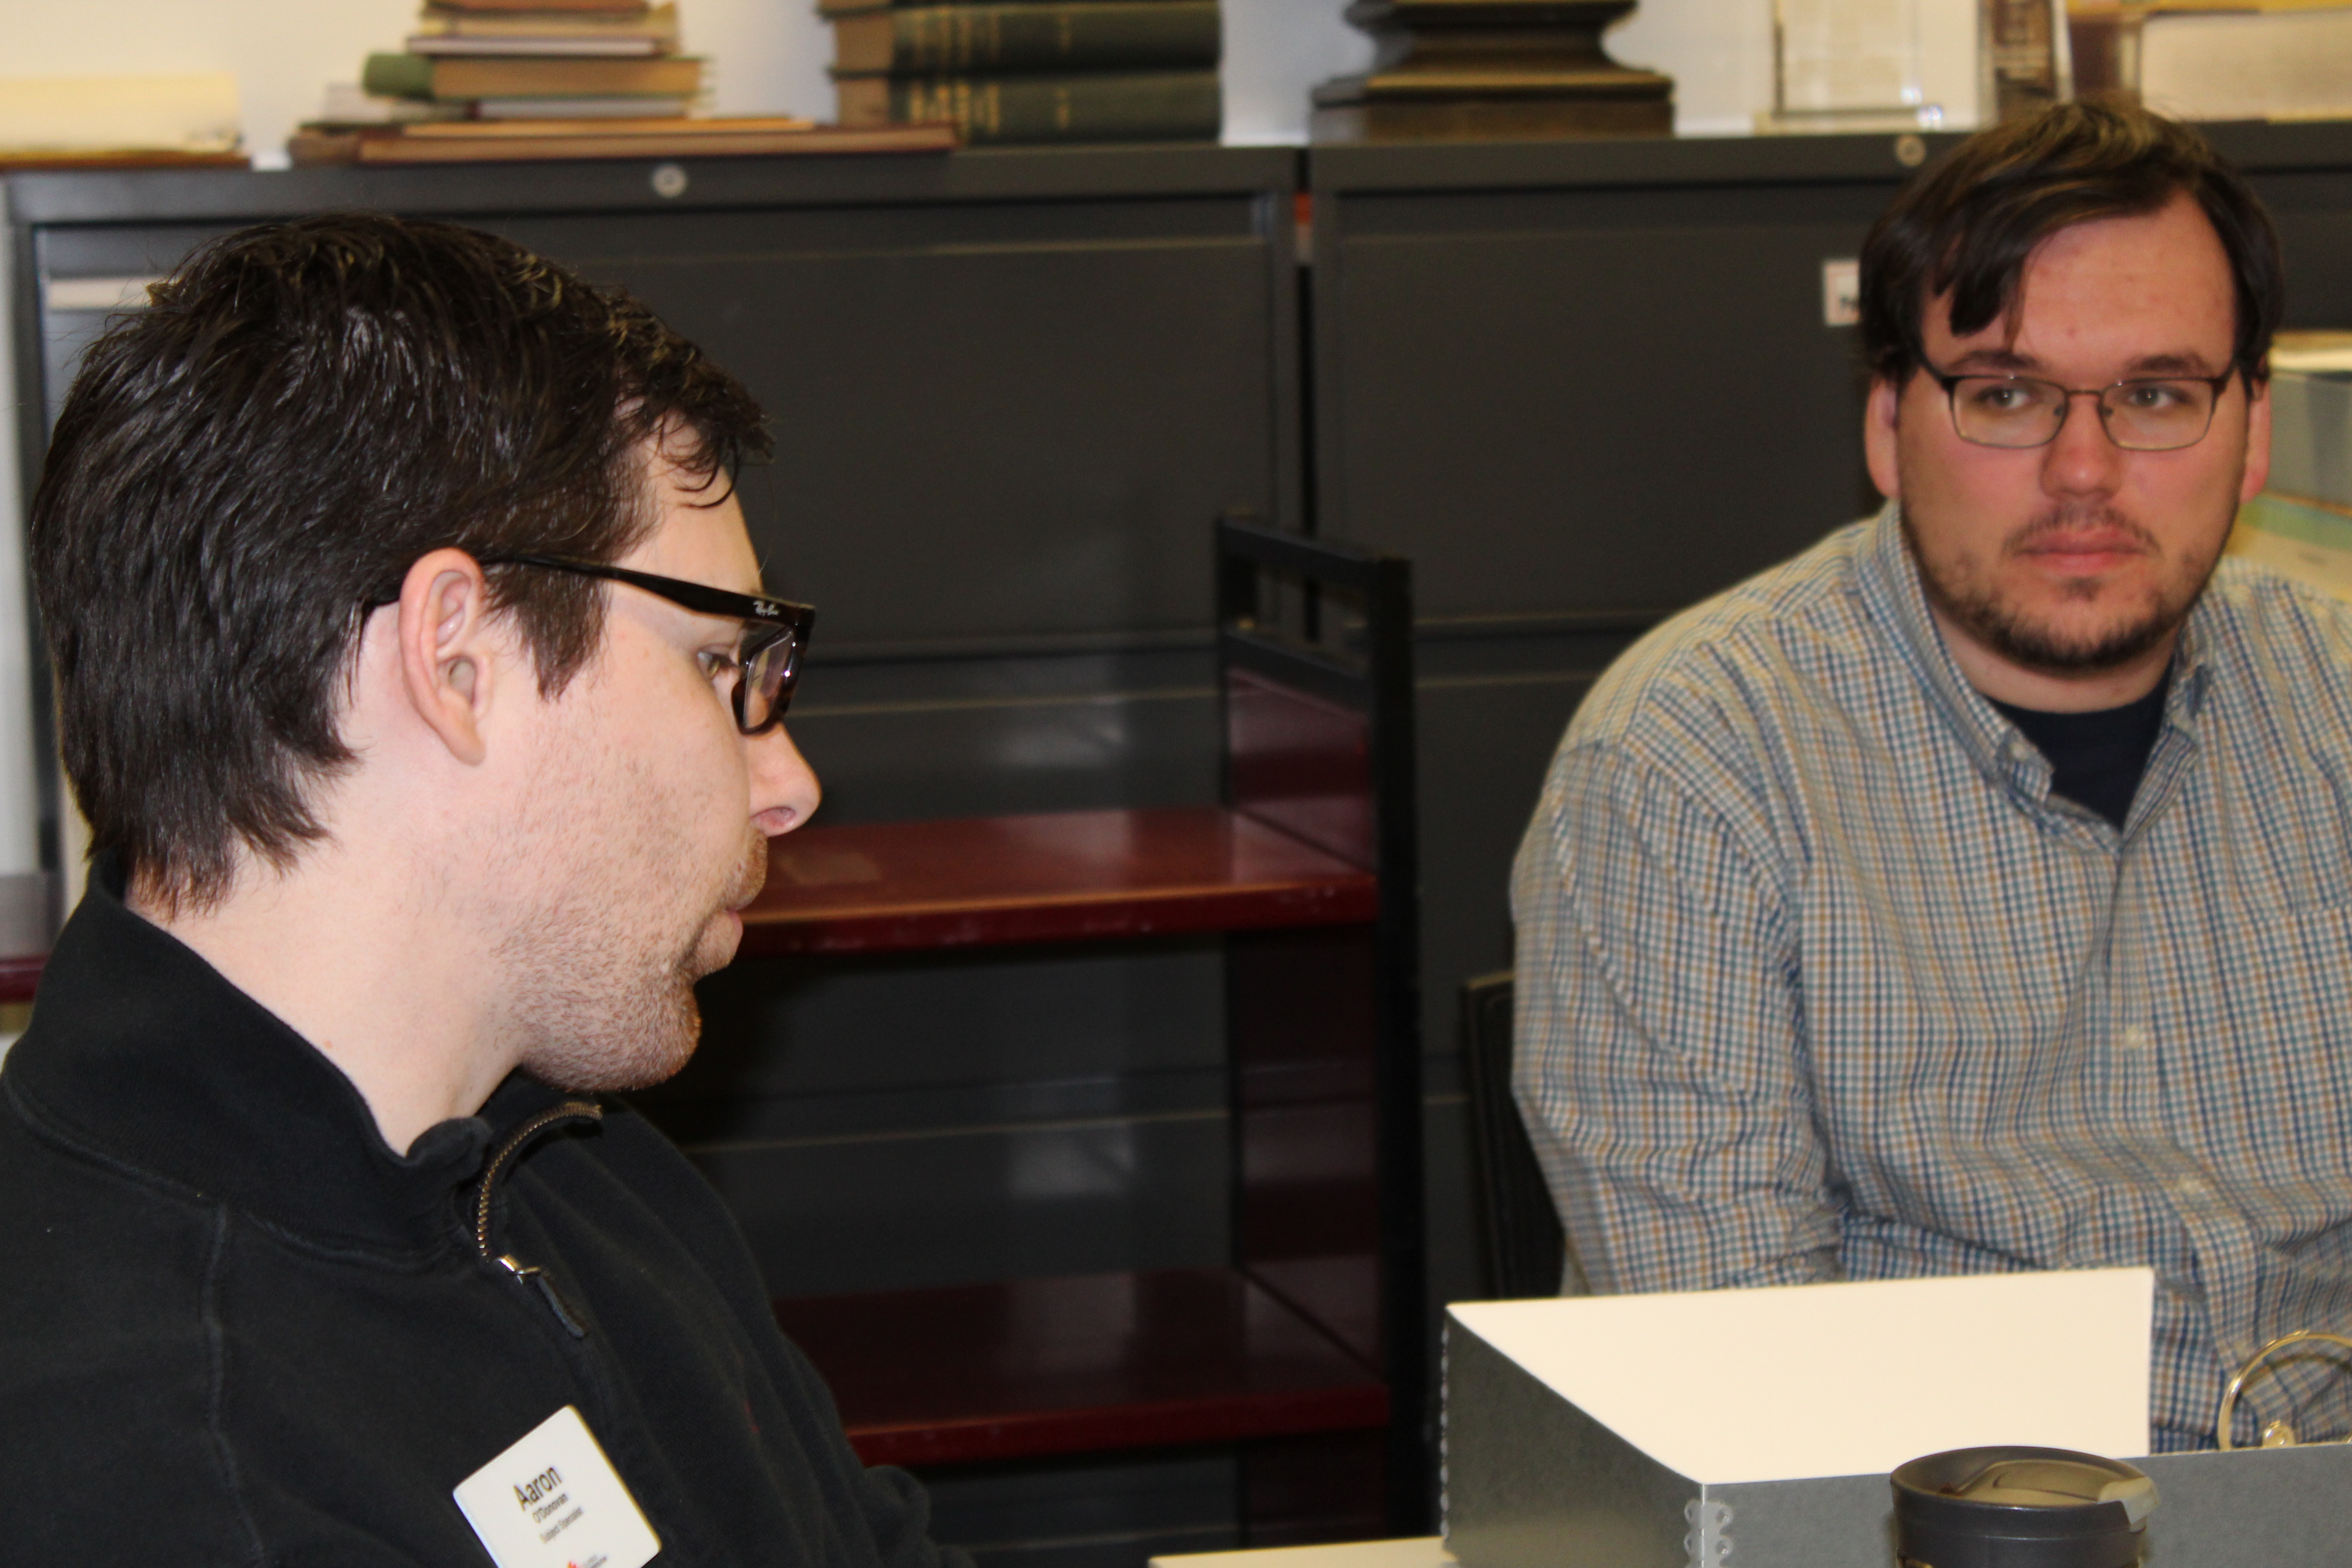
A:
(1978, 606)
(602, 1025)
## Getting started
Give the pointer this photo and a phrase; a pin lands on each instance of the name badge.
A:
(552, 1501)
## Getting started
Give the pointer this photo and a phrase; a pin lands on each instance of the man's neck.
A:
(2072, 691)
(363, 970)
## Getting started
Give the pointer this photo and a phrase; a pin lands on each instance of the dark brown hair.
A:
(1967, 224)
(300, 412)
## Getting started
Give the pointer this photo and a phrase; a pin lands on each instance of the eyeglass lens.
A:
(2140, 415)
(765, 687)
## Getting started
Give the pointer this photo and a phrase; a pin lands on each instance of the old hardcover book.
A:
(346, 106)
(593, 48)
(550, 33)
(655, 21)
(678, 127)
(2225, 59)
(600, 7)
(708, 139)
(423, 75)
(632, 106)
(934, 40)
(1106, 106)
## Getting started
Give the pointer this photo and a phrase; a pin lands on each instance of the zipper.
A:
(485, 1202)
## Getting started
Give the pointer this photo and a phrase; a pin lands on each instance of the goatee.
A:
(2005, 628)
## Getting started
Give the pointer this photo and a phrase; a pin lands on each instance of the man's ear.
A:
(447, 649)
(1878, 445)
(2258, 438)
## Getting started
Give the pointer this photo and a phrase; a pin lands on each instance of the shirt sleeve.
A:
(1661, 1064)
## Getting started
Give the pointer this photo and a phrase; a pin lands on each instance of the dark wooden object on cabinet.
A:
(1450, 70)
(1307, 1349)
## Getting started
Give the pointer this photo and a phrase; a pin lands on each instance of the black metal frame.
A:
(1379, 684)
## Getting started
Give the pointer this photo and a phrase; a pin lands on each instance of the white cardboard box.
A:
(1755, 1428)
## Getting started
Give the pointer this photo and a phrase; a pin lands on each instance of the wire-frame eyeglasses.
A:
(2148, 413)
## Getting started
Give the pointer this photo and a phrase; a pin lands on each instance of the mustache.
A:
(2060, 520)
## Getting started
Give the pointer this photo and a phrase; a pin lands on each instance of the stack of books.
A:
(1030, 71)
(499, 80)
(542, 59)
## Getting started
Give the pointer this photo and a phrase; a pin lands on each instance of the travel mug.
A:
(2020, 1507)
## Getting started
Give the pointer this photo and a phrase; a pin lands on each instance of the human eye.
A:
(2162, 396)
(1999, 395)
(717, 665)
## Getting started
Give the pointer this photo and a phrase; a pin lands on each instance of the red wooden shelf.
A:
(1023, 1367)
(893, 887)
(24, 934)
(19, 977)
(1070, 876)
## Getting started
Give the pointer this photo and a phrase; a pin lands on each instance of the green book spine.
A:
(942, 41)
(1113, 106)
(397, 75)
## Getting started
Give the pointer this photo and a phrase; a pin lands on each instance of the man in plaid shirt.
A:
(1974, 891)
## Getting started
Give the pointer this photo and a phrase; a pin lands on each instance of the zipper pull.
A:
(531, 1274)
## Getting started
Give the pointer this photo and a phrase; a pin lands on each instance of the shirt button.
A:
(2193, 1187)
(2135, 1039)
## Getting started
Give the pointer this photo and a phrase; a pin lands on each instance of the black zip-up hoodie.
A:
(236, 1328)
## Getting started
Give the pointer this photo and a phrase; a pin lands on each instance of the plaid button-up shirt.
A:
(1817, 981)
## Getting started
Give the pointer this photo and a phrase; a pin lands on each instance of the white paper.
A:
(1803, 1381)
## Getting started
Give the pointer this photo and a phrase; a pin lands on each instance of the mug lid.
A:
(2029, 1508)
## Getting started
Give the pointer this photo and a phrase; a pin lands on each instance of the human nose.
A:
(784, 791)
(2081, 459)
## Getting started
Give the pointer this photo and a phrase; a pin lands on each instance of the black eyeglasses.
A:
(2152, 413)
(768, 665)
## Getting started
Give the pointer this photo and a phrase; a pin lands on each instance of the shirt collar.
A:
(1895, 599)
(143, 1055)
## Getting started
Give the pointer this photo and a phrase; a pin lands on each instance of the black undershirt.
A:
(2096, 759)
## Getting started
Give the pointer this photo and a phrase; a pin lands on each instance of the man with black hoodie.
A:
(416, 676)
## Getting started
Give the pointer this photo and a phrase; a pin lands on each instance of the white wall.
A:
(1719, 53)
(1276, 51)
